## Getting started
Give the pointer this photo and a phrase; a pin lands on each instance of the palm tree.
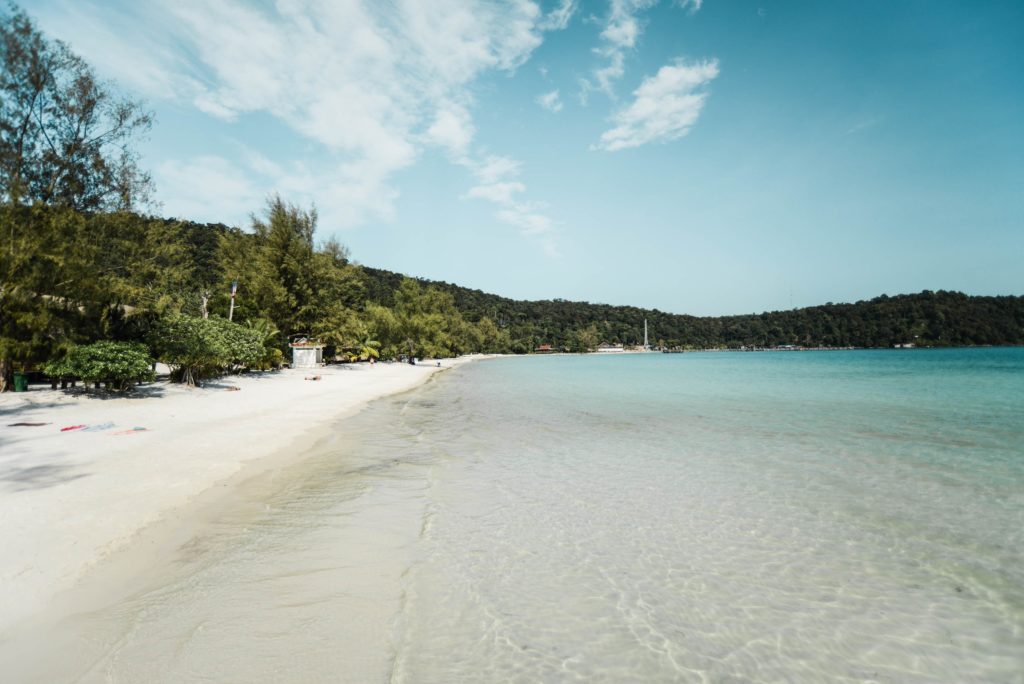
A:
(272, 356)
(365, 346)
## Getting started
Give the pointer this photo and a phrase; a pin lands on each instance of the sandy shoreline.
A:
(70, 499)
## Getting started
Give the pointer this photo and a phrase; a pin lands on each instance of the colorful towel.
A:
(131, 431)
(69, 428)
(98, 428)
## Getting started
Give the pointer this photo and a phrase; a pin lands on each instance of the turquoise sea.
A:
(718, 517)
(851, 516)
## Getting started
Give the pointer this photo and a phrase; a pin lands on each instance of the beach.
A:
(70, 498)
(848, 516)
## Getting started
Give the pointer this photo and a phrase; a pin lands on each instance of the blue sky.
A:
(705, 157)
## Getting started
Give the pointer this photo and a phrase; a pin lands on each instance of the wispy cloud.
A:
(498, 183)
(860, 126)
(558, 18)
(371, 83)
(208, 188)
(623, 27)
(452, 129)
(550, 101)
(665, 106)
(621, 31)
(693, 5)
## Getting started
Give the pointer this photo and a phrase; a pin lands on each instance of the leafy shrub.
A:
(271, 357)
(197, 348)
(116, 364)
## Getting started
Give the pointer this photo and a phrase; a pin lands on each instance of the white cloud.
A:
(207, 188)
(452, 130)
(558, 18)
(550, 101)
(666, 106)
(534, 225)
(499, 193)
(694, 5)
(497, 184)
(622, 30)
(494, 168)
(372, 83)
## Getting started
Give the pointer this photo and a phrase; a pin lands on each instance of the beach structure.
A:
(608, 348)
(307, 353)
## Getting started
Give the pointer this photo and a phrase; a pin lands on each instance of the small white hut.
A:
(307, 353)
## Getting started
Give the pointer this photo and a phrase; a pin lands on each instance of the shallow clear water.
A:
(712, 517)
(724, 517)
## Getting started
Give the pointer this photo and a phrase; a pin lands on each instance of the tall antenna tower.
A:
(647, 345)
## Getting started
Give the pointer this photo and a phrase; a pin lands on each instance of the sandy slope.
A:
(68, 499)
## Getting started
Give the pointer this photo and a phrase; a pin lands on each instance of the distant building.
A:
(544, 349)
(607, 348)
(307, 353)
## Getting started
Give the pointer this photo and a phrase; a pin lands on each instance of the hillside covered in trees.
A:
(73, 278)
(929, 319)
(92, 288)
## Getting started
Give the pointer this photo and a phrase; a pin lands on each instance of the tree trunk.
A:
(6, 375)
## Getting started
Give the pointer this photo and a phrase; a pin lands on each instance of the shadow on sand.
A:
(37, 477)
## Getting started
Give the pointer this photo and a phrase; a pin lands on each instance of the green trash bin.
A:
(20, 382)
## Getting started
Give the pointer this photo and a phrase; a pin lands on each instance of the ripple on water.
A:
(829, 541)
(700, 518)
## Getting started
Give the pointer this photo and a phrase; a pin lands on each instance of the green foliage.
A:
(272, 356)
(77, 266)
(584, 340)
(285, 278)
(71, 278)
(68, 278)
(927, 319)
(40, 274)
(354, 340)
(117, 364)
(198, 348)
(64, 135)
(491, 338)
(423, 323)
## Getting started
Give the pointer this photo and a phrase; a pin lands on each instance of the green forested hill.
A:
(927, 319)
(86, 281)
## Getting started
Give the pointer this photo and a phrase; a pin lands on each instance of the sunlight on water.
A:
(803, 517)
(790, 517)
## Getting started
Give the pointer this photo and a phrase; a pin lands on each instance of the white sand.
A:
(68, 499)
